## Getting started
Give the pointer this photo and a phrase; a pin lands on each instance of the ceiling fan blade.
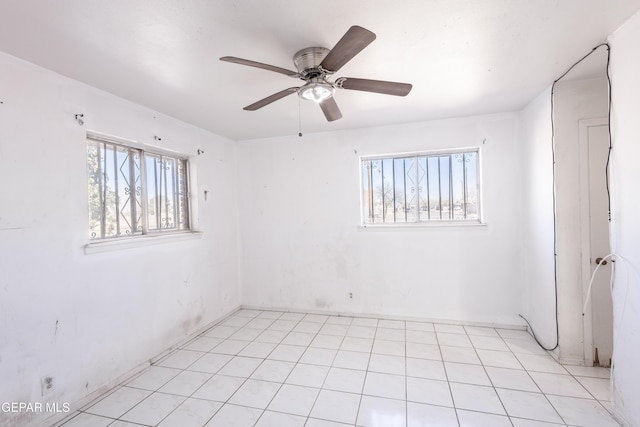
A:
(330, 109)
(269, 99)
(378, 86)
(354, 40)
(268, 67)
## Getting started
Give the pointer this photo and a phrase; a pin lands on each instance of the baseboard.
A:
(390, 317)
(89, 399)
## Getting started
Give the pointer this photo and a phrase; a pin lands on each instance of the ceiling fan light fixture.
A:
(316, 91)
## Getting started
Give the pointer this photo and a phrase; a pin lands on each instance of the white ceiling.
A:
(463, 57)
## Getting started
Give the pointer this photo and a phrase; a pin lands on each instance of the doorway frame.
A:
(585, 232)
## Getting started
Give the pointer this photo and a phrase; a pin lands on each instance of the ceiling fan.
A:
(316, 64)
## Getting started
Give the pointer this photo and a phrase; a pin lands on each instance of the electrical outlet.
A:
(47, 385)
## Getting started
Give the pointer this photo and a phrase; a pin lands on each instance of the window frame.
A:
(423, 223)
(101, 244)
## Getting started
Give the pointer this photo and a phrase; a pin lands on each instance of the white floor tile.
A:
(235, 416)
(423, 368)
(481, 331)
(488, 343)
(221, 331)
(308, 375)
(499, 359)
(258, 349)
(210, 363)
(453, 340)
(332, 342)
(276, 419)
(421, 415)
(582, 412)
(318, 318)
(600, 388)
(283, 325)
(351, 360)
(459, 355)
(118, 402)
(292, 316)
(153, 409)
(293, 399)
(236, 322)
(332, 329)
(466, 373)
(423, 351)
(255, 394)
(287, 353)
(308, 327)
(336, 406)
(246, 334)
(219, 388)
(513, 379)
(202, 343)
(272, 336)
(534, 406)
(260, 323)
(357, 344)
(393, 348)
(339, 320)
(348, 380)
(153, 378)
(270, 315)
(230, 347)
(318, 356)
(361, 331)
(240, 367)
(185, 383)
(476, 398)
(273, 370)
(298, 338)
(180, 359)
(514, 333)
(420, 326)
(191, 413)
(541, 363)
(422, 337)
(365, 321)
(376, 412)
(88, 420)
(315, 422)
(387, 364)
(479, 419)
(588, 371)
(524, 346)
(247, 312)
(449, 329)
(385, 385)
(119, 423)
(391, 324)
(521, 422)
(433, 392)
(562, 385)
(390, 334)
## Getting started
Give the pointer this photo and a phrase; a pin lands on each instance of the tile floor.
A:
(267, 368)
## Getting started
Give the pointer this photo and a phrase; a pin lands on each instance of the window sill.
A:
(422, 226)
(139, 241)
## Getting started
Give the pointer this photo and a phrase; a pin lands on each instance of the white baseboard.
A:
(521, 327)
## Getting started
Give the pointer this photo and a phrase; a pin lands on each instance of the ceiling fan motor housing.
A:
(307, 62)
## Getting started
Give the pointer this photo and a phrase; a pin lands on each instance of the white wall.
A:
(87, 319)
(625, 205)
(537, 219)
(302, 247)
(573, 101)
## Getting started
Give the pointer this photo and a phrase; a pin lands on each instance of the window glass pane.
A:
(166, 193)
(421, 188)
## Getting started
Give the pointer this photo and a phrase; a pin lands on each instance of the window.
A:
(421, 187)
(133, 191)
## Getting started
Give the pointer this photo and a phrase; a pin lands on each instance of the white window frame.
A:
(418, 222)
(146, 237)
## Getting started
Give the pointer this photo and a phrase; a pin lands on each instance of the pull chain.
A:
(299, 119)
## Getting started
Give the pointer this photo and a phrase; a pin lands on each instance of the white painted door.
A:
(601, 303)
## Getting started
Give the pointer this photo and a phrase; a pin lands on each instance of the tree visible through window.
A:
(421, 187)
(134, 192)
